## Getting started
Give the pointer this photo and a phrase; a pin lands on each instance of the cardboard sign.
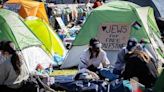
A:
(113, 36)
(60, 22)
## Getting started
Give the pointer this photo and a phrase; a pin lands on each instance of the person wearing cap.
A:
(94, 59)
(120, 63)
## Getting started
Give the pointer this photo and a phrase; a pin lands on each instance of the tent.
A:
(13, 29)
(159, 87)
(145, 3)
(113, 24)
(27, 8)
(155, 4)
(47, 36)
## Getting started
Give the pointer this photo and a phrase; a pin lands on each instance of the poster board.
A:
(113, 36)
(60, 22)
(64, 29)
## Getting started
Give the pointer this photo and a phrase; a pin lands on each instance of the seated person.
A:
(13, 68)
(143, 44)
(140, 65)
(120, 63)
(94, 61)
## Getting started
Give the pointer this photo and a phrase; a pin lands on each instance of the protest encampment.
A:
(81, 45)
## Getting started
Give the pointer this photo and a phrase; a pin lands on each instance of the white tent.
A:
(34, 56)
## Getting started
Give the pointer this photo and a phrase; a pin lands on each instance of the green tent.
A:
(12, 28)
(113, 24)
(117, 12)
(51, 41)
(159, 86)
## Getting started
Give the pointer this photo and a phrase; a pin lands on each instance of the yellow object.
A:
(64, 72)
(52, 43)
(31, 8)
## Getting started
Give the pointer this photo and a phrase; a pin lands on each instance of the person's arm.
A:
(83, 63)
(83, 68)
(3, 73)
(119, 65)
(105, 61)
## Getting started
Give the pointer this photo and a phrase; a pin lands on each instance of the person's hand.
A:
(94, 75)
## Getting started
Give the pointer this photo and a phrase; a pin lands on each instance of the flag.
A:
(136, 25)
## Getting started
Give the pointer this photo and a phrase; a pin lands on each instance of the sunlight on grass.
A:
(64, 72)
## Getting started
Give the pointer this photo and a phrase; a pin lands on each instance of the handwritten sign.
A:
(113, 36)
